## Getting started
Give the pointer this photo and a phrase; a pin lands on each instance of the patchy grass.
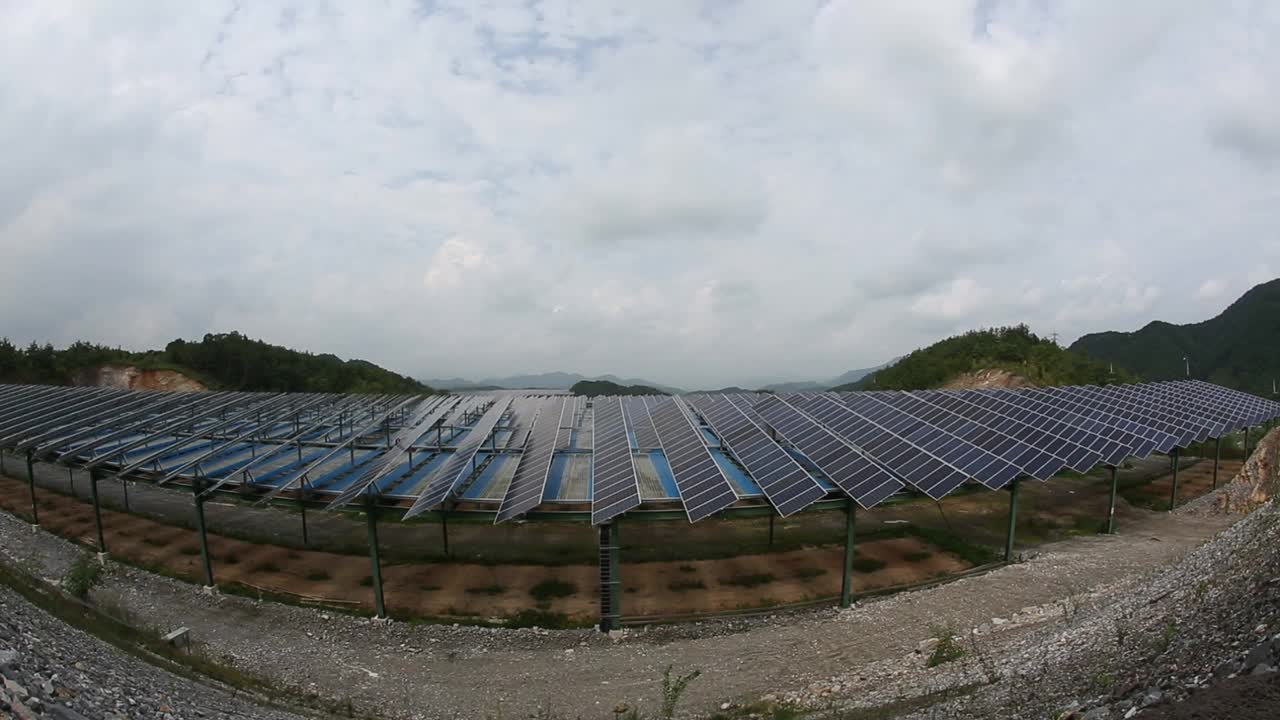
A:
(686, 585)
(267, 567)
(540, 619)
(550, 589)
(487, 590)
(155, 541)
(688, 568)
(189, 550)
(366, 581)
(749, 581)
(231, 558)
(809, 573)
(947, 649)
(868, 565)
(83, 574)
(918, 556)
(318, 576)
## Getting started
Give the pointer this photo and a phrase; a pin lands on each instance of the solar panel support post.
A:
(444, 529)
(200, 528)
(31, 487)
(1173, 494)
(302, 509)
(1246, 443)
(610, 582)
(771, 531)
(846, 578)
(1111, 506)
(371, 517)
(124, 486)
(97, 510)
(1217, 460)
(1013, 519)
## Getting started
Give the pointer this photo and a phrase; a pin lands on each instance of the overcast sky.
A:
(699, 194)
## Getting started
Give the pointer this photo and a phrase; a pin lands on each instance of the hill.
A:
(851, 376)
(1235, 349)
(542, 381)
(227, 361)
(606, 387)
(1016, 350)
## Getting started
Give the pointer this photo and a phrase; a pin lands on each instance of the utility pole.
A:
(1187, 363)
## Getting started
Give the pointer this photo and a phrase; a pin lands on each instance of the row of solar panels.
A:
(795, 447)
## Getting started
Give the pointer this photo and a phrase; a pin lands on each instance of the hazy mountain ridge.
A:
(549, 380)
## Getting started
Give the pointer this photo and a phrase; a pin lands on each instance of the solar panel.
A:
(1212, 419)
(524, 493)
(1031, 461)
(1256, 409)
(919, 468)
(1046, 417)
(704, 489)
(787, 485)
(615, 487)
(1182, 433)
(1072, 455)
(459, 465)
(641, 423)
(425, 417)
(849, 469)
(1145, 438)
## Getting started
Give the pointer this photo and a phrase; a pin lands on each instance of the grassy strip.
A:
(895, 709)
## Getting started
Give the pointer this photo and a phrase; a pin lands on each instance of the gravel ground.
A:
(1074, 627)
(50, 669)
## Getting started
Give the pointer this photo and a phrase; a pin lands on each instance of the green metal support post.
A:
(97, 510)
(1013, 519)
(1217, 460)
(1111, 508)
(1246, 444)
(444, 528)
(770, 531)
(610, 580)
(371, 515)
(846, 580)
(31, 486)
(1173, 496)
(200, 528)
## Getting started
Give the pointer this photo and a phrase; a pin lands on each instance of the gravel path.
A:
(404, 670)
(50, 669)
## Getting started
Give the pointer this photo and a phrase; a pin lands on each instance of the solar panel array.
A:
(789, 450)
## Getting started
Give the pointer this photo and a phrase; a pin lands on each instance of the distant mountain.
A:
(547, 381)
(1016, 350)
(605, 387)
(1237, 348)
(845, 379)
(723, 390)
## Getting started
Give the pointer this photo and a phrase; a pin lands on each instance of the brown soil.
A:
(1192, 483)
(127, 377)
(422, 589)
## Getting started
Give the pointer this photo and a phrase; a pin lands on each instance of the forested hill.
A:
(1015, 349)
(605, 387)
(227, 361)
(1237, 348)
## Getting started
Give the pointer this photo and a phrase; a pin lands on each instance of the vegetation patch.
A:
(83, 574)
(539, 619)
(231, 558)
(487, 590)
(918, 556)
(685, 585)
(189, 550)
(318, 576)
(687, 568)
(749, 581)
(809, 573)
(947, 649)
(266, 567)
(865, 565)
(552, 588)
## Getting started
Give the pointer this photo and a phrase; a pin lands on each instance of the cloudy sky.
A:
(697, 193)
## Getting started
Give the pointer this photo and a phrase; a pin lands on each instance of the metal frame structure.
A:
(721, 453)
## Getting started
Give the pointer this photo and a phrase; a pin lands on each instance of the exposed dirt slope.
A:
(128, 377)
(989, 378)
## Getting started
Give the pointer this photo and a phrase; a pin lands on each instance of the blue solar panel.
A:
(459, 466)
(1107, 451)
(779, 476)
(640, 423)
(524, 493)
(846, 467)
(615, 488)
(1032, 462)
(1145, 438)
(1178, 433)
(1071, 455)
(704, 489)
(971, 460)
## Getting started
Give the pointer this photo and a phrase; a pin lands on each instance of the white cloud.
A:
(694, 195)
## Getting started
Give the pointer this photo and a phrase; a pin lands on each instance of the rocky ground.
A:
(1098, 627)
(51, 670)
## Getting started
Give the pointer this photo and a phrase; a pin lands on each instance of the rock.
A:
(1262, 669)
(1152, 697)
(1258, 655)
(8, 657)
(1227, 669)
(1098, 713)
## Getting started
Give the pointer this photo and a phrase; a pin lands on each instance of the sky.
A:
(700, 194)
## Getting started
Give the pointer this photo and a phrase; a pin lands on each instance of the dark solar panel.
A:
(1030, 460)
(425, 417)
(1176, 433)
(850, 470)
(615, 489)
(1070, 454)
(704, 489)
(1145, 438)
(641, 423)
(1065, 423)
(524, 493)
(782, 479)
(920, 469)
(458, 466)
